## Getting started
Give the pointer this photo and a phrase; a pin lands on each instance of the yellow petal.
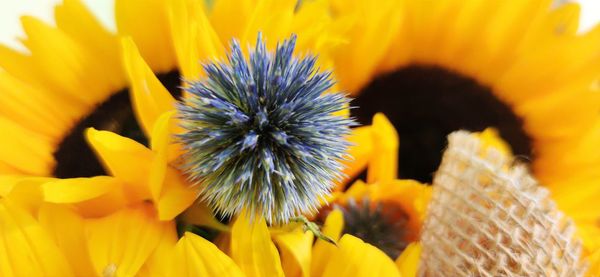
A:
(66, 228)
(7, 183)
(77, 21)
(195, 256)
(93, 197)
(228, 26)
(150, 97)
(408, 261)
(26, 249)
(383, 166)
(271, 17)
(67, 68)
(159, 263)
(170, 190)
(125, 159)
(146, 21)
(252, 248)
(177, 195)
(194, 38)
(353, 257)
(594, 263)
(77, 189)
(25, 150)
(122, 242)
(37, 108)
(295, 249)
(322, 251)
(201, 215)
(360, 152)
(165, 151)
(491, 138)
(27, 193)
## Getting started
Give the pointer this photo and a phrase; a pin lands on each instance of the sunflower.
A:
(519, 67)
(75, 76)
(434, 68)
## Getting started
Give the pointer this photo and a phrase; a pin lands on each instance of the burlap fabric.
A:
(489, 217)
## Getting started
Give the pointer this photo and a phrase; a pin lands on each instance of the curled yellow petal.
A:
(252, 248)
(295, 248)
(383, 166)
(125, 159)
(150, 97)
(95, 196)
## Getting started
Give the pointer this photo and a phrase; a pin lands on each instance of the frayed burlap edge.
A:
(488, 217)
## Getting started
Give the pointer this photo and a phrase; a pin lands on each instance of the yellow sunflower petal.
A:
(24, 149)
(227, 26)
(150, 97)
(27, 193)
(295, 249)
(357, 258)
(201, 215)
(26, 249)
(360, 153)
(195, 256)
(594, 262)
(38, 109)
(408, 261)
(177, 195)
(161, 143)
(383, 165)
(252, 248)
(125, 159)
(66, 228)
(7, 183)
(159, 263)
(66, 67)
(77, 189)
(322, 250)
(194, 38)
(95, 196)
(169, 188)
(146, 21)
(77, 21)
(271, 17)
(369, 16)
(122, 242)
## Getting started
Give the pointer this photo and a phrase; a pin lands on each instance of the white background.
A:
(11, 10)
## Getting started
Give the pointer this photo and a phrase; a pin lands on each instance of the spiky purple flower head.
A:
(261, 134)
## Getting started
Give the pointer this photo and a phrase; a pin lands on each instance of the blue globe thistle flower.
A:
(261, 134)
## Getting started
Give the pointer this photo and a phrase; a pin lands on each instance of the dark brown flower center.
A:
(74, 157)
(380, 224)
(425, 104)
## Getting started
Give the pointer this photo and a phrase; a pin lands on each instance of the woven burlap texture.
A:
(489, 217)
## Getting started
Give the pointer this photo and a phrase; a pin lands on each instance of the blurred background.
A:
(10, 10)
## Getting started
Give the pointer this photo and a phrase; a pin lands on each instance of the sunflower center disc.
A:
(425, 104)
(74, 158)
(383, 225)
